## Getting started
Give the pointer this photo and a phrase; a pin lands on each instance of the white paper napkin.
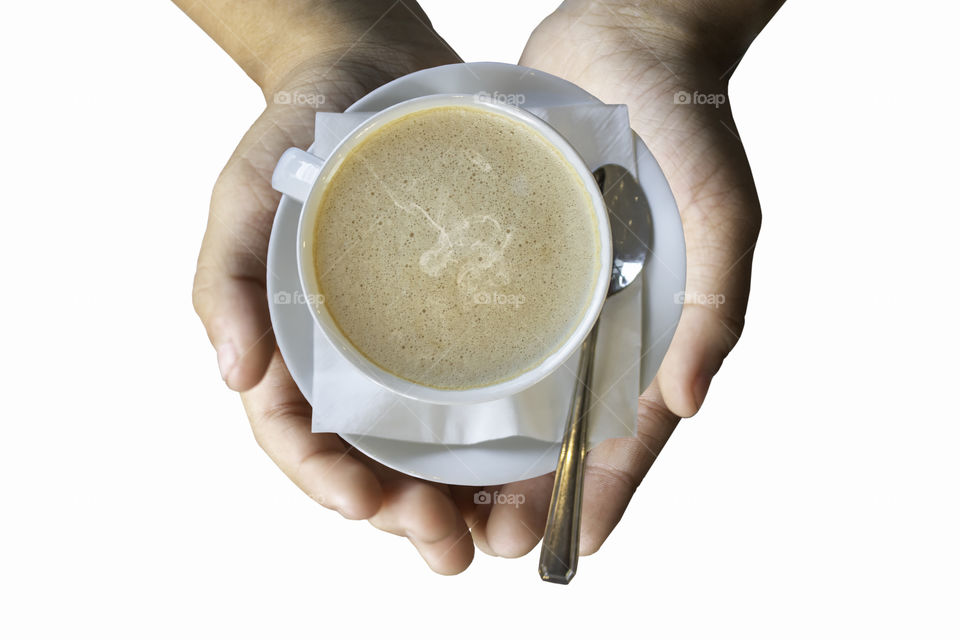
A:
(345, 401)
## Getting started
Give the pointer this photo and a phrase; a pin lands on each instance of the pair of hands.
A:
(648, 55)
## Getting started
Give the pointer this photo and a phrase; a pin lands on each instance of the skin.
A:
(639, 53)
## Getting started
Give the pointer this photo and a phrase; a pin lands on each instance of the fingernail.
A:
(700, 387)
(226, 358)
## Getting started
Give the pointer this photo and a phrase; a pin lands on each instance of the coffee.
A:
(456, 248)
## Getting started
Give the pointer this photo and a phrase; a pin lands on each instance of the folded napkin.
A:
(345, 401)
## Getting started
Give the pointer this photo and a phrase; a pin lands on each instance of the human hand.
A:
(670, 63)
(365, 48)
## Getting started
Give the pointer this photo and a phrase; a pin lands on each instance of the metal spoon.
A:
(632, 229)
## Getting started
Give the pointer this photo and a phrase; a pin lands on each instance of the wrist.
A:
(275, 42)
(332, 80)
(701, 36)
(360, 45)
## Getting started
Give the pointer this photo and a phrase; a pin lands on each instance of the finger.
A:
(475, 512)
(319, 464)
(465, 498)
(616, 467)
(450, 555)
(229, 291)
(425, 514)
(721, 221)
(518, 516)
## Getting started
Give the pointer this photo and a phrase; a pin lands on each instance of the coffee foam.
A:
(456, 248)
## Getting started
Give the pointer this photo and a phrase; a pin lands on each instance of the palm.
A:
(230, 287)
(696, 145)
(698, 149)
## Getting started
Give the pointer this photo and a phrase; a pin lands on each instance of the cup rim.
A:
(371, 370)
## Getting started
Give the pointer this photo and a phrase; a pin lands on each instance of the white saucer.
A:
(498, 461)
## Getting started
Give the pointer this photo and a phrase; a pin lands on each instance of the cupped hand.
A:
(619, 51)
(669, 62)
(230, 297)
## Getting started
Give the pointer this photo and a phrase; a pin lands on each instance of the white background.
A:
(814, 495)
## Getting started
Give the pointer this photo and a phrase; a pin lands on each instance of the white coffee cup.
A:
(305, 177)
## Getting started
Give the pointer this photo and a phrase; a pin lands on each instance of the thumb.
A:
(229, 292)
(703, 339)
(721, 223)
(233, 308)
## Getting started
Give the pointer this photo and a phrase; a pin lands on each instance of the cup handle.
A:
(296, 172)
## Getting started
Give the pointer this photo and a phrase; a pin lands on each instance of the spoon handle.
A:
(561, 540)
